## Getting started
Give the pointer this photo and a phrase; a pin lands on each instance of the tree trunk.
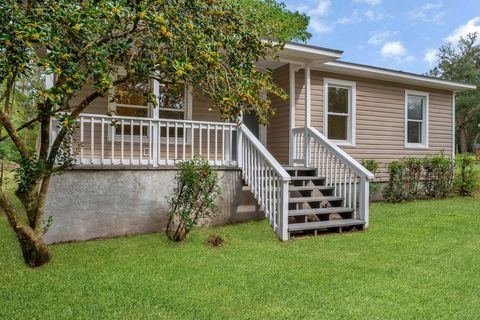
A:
(35, 251)
(463, 139)
(175, 230)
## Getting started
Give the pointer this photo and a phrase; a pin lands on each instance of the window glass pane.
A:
(337, 100)
(337, 127)
(172, 96)
(132, 93)
(175, 115)
(171, 132)
(414, 132)
(132, 112)
(415, 107)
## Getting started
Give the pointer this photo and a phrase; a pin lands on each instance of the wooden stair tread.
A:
(290, 168)
(306, 212)
(313, 199)
(308, 188)
(306, 178)
(325, 224)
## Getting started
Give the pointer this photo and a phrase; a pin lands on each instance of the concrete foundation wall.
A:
(88, 204)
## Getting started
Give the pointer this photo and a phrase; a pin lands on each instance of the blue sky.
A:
(396, 34)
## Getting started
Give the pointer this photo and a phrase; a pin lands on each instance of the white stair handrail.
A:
(268, 156)
(266, 178)
(354, 164)
(348, 178)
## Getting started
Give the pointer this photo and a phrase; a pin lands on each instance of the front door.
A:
(258, 130)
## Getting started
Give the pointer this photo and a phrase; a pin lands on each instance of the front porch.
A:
(332, 195)
(324, 189)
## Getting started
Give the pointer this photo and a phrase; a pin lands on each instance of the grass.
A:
(419, 260)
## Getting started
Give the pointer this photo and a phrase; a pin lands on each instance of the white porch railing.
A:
(267, 179)
(349, 178)
(115, 140)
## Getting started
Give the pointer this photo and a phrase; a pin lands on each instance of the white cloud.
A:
(317, 13)
(321, 9)
(471, 26)
(393, 49)
(380, 37)
(431, 56)
(373, 15)
(353, 19)
(429, 12)
(369, 2)
(319, 26)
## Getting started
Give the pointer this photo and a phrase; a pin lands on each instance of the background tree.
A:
(207, 44)
(274, 21)
(462, 63)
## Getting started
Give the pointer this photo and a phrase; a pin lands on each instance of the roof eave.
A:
(394, 76)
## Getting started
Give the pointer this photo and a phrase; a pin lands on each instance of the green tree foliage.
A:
(462, 63)
(207, 44)
(274, 20)
(22, 110)
(467, 174)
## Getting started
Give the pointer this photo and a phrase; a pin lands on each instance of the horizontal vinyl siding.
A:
(380, 118)
(278, 133)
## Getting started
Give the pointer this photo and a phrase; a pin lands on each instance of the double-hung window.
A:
(131, 100)
(172, 101)
(339, 111)
(416, 119)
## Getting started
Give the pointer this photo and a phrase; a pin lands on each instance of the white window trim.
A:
(425, 127)
(351, 126)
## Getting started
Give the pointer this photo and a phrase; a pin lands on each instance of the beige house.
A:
(301, 171)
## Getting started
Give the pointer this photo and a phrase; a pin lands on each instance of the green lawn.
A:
(418, 260)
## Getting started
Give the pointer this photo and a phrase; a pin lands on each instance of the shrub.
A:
(439, 171)
(395, 191)
(372, 166)
(412, 175)
(194, 196)
(467, 174)
(404, 179)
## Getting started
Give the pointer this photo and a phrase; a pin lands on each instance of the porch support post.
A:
(308, 95)
(308, 109)
(454, 140)
(49, 83)
(364, 200)
(292, 99)
(155, 129)
(282, 230)
(240, 148)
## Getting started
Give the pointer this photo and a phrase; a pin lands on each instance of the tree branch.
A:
(111, 37)
(9, 210)
(30, 123)
(7, 124)
(26, 125)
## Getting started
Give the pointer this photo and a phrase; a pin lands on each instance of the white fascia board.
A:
(393, 76)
